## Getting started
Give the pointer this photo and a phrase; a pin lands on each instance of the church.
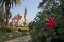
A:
(18, 20)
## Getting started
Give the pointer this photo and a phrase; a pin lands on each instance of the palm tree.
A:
(1, 16)
(10, 15)
(1, 12)
(7, 5)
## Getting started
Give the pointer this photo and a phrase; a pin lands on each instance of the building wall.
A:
(18, 22)
(26, 19)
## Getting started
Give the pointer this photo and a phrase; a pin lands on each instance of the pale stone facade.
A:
(18, 22)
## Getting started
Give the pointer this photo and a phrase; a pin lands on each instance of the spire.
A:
(25, 10)
(25, 14)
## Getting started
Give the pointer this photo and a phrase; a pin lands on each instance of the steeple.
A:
(26, 15)
(25, 10)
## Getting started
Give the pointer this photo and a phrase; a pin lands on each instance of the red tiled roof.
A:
(17, 18)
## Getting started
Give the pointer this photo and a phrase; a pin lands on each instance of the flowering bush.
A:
(50, 23)
(47, 29)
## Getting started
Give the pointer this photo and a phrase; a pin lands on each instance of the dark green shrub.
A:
(30, 25)
(5, 29)
(8, 30)
(19, 30)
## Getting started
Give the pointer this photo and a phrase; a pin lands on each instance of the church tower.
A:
(26, 16)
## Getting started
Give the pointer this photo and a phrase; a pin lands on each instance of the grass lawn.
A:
(16, 28)
(24, 28)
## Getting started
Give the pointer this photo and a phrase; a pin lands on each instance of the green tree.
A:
(18, 14)
(8, 4)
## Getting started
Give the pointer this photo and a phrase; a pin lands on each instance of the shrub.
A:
(8, 29)
(19, 30)
(5, 29)
(31, 24)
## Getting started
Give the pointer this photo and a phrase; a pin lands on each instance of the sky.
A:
(31, 9)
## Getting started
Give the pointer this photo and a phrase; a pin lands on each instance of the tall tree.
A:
(7, 5)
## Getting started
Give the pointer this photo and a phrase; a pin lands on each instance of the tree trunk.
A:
(7, 8)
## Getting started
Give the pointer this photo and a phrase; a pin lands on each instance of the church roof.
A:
(17, 18)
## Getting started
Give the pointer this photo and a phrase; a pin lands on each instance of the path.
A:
(22, 39)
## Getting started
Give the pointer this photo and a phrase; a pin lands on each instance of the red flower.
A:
(50, 23)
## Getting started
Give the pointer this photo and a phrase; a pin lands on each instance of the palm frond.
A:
(3, 2)
(15, 2)
(18, 2)
(12, 3)
(0, 1)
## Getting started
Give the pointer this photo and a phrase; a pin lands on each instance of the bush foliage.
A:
(5, 29)
(55, 34)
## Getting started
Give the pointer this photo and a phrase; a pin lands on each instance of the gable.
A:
(17, 18)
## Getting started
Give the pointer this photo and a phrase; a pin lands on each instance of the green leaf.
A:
(49, 39)
(40, 34)
(61, 30)
(46, 33)
(55, 36)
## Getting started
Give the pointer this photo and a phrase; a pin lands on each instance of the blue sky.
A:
(31, 8)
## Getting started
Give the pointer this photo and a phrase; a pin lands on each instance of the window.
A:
(14, 21)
